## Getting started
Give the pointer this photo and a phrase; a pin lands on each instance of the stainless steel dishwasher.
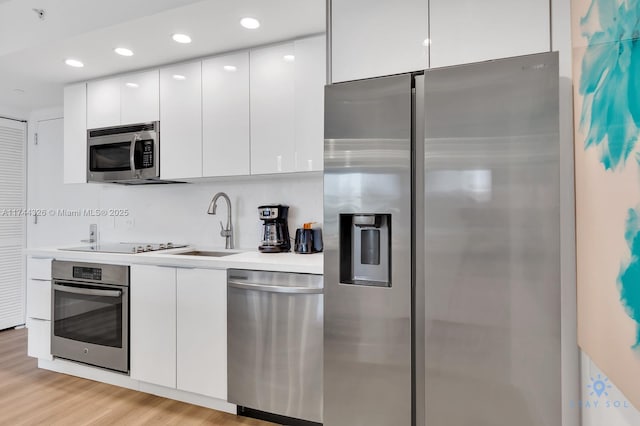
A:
(275, 332)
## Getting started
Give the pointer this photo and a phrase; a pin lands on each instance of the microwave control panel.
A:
(147, 154)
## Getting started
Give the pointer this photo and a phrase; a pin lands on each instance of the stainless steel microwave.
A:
(124, 154)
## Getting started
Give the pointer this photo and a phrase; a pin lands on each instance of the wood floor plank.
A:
(30, 396)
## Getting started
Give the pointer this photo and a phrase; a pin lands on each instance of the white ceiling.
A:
(32, 51)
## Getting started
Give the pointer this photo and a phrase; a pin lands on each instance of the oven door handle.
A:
(87, 291)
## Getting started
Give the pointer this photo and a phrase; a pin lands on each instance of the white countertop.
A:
(240, 259)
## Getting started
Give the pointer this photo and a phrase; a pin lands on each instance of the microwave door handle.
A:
(87, 291)
(132, 152)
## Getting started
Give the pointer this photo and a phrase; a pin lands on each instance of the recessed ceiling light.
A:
(123, 51)
(230, 68)
(132, 85)
(74, 63)
(289, 58)
(181, 38)
(179, 77)
(250, 23)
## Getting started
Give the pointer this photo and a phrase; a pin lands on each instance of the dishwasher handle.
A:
(273, 288)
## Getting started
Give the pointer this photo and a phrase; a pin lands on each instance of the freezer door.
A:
(492, 243)
(367, 264)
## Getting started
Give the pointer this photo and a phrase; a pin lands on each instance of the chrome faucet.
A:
(226, 232)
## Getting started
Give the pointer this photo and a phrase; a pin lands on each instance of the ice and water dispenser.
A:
(365, 249)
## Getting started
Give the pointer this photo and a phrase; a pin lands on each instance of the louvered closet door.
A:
(12, 222)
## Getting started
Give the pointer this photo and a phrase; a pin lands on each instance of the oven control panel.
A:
(94, 274)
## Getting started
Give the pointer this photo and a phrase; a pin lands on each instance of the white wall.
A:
(13, 112)
(178, 212)
(157, 213)
(610, 409)
(45, 187)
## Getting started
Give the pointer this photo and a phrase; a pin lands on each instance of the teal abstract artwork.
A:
(629, 278)
(610, 80)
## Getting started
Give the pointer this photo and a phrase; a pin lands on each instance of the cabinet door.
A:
(181, 121)
(272, 109)
(310, 78)
(39, 299)
(225, 115)
(75, 133)
(202, 332)
(140, 97)
(39, 338)
(464, 31)
(39, 268)
(103, 103)
(375, 38)
(153, 325)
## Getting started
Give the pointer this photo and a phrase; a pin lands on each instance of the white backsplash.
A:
(178, 212)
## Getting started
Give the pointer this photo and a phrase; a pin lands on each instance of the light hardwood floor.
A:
(31, 396)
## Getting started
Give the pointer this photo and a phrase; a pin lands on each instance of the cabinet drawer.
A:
(39, 269)
(39, 338)
(39, 299)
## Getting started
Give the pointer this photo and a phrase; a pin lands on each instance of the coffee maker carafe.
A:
(275, 229)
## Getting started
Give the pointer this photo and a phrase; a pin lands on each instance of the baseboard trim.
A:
(116, 379)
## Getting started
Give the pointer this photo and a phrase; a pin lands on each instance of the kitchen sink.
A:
(204, 253)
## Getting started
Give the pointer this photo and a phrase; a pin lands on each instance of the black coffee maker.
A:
(275, 229)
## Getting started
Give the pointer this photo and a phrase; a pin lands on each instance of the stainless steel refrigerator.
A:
(442, 247)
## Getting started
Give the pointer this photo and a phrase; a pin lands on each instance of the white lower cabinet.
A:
(39, 299)
(153, 324)
(202, 332)
(179, 328)
(39, 308)
(39, 338)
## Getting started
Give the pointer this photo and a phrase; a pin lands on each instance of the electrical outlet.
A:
(126, 222)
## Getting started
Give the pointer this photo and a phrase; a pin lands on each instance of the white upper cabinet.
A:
(225, 111)
(310, 79)
(181, 121)
(202, 332)
(129, 99)
(272, 109)
(375, 38)
(258, 111)
(75, 133)
(103, 103)
(464, 31)
(140, 97)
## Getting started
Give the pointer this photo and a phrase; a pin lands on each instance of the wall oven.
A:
(90, 313)
(124, 154)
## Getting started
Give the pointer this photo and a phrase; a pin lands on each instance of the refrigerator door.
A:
(492, 244)
(367, 272)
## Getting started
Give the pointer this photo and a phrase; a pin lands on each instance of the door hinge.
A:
(35, 139)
